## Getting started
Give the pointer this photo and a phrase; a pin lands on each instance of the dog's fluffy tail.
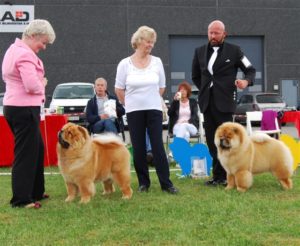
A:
(260, 137)
(108, 139)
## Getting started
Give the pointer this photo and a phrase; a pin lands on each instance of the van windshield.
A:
(73, 92)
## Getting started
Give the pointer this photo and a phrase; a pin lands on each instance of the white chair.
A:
(201, 128)
(256, 116)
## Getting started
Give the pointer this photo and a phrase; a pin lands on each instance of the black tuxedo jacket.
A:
(229, 59)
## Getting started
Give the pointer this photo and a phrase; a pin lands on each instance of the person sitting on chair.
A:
(183, 113)
(103, 110)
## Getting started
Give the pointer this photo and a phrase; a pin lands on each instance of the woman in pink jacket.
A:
(23, 74)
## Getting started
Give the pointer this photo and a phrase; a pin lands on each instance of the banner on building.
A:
(14, 18)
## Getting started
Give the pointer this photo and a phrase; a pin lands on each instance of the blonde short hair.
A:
(143, 33)
(40, 27)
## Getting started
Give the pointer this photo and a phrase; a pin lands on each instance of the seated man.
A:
(103, 109)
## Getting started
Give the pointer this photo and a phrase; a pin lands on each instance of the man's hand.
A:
(241, 83)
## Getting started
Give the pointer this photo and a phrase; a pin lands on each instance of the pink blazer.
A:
(23, 74)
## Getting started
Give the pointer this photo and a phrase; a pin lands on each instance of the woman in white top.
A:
(140, 82)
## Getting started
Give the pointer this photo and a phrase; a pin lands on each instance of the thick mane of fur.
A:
(107, 138)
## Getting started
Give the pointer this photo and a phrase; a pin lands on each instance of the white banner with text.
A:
(14, 18)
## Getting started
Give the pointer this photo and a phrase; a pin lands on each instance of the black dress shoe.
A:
(143, 188)
(216, 182)
(211, 182)
(222, 182)
(171, 190)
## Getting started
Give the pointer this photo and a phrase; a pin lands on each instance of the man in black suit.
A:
(214, 71)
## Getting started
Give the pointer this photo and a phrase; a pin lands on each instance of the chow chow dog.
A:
(83, 160)
(242, 156)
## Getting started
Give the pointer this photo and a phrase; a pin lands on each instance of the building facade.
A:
(94, 35)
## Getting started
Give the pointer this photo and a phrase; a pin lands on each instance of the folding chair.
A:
(257, 116)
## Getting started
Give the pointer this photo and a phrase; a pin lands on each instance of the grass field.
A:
(199, 215)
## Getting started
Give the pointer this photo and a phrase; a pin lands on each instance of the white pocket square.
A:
(228, 60)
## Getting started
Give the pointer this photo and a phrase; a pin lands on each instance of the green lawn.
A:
(199, 215)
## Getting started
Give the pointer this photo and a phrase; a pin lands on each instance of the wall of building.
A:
(94, 35)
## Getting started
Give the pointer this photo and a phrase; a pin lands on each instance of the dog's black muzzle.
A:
(224, 144)
(62, 142)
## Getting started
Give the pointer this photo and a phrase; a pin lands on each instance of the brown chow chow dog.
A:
(242, 156)
(83, 160)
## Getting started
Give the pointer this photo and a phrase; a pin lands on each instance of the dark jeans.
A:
(28, 165)
(106, 125)
(138, 122)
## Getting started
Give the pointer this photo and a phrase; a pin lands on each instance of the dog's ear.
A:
(238, 131)
(83, 131)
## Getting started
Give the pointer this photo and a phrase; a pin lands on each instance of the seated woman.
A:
(183, 113)
(100, 118)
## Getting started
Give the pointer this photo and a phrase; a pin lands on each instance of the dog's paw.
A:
(287, 184)
(240, 189)
(85, 200)
(128, 195)
(108, 190)
(105, 192)
(69, 199)
(229, 187)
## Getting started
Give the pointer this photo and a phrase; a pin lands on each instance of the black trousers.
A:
(138, 122)
(28, 165)
(212, 119)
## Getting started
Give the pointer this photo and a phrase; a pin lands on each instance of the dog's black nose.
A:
(224, 143)
(62, 142)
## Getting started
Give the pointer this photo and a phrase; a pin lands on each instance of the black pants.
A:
(212, 119)
(28, 165)
(138, 122)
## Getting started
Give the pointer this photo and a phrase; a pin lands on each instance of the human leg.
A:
(39, 182)
(24, 126)
(98, 127)
(106, 125)
(192, 130)
(110, 126)
(137, 128)
(184, 130)
(179, 130)
(148, 144)
(149, 156)
(213, 118)
(154, 125)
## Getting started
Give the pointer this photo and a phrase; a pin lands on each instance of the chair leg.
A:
(170, 159)
(167, 145)
(123, 136)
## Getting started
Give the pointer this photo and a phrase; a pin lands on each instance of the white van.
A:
(71, 98)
